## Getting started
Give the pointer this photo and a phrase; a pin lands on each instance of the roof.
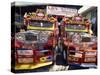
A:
(30, 7)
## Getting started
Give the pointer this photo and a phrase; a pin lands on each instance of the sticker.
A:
(72, 59)
(90, 59)
(91, 53)
(49, 58)
(43, 59)
(78, 55)
(25, 52)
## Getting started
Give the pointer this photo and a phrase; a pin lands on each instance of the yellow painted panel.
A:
(39, 28)
(76, 30)
(31, 66)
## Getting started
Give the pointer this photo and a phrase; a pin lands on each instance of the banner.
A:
(68, 12)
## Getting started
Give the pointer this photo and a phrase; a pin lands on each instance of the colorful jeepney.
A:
(81, 49)
(34, 47)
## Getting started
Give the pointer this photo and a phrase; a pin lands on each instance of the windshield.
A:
(41, 24)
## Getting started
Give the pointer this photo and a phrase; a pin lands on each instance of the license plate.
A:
(25, 60)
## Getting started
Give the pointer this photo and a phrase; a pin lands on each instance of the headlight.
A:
(20, 36)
